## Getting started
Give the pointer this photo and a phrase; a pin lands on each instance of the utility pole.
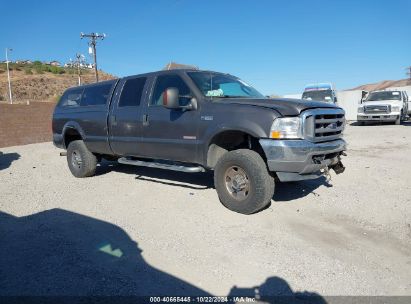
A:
(92, 43)
(78, 63)
(8, 74)
(409, 72)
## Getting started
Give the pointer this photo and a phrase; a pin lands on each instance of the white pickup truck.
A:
(390, 106)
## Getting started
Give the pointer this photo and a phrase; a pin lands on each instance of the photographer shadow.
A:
(62, 253)
(276, 290)
(58, 253)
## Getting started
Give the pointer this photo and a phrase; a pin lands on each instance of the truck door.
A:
(125, 119)
(170, 133)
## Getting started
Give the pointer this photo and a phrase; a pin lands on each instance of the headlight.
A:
(395, 109)
(360, 110)
(286, 127)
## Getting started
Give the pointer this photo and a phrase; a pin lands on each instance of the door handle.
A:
(145, 120)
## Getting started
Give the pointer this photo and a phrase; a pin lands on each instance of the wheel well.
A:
(71, 135)
(231, 140)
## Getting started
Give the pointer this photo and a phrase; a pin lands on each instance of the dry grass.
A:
(46, 87)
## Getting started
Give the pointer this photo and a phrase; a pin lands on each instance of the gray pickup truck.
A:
(193, 121)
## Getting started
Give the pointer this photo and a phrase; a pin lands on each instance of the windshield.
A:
(318, 95)
(386, 95)
(223, 86)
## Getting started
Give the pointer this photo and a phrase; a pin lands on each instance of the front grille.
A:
(323, 124)
(377, 109)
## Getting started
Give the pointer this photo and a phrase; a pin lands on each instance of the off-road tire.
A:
(81, 162)
(261, 183)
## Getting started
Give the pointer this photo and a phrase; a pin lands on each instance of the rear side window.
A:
(71, 98)
(96, 95)
(132, 92)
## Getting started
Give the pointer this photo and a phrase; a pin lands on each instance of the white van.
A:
(320, 91)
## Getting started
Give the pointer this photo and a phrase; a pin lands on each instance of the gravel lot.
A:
(135, 230)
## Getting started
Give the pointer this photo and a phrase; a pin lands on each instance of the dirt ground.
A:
(146, 231)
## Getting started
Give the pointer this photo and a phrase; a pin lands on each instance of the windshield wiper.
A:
(230, 96)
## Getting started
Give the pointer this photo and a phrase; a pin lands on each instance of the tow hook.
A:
(338, 167)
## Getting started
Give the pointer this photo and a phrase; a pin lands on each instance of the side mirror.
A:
(171, 98)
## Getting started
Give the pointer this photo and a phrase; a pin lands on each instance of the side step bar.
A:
(181, 168)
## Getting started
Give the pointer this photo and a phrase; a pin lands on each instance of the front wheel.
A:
(243, 182)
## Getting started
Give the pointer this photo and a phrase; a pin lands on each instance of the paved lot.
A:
(137, 230)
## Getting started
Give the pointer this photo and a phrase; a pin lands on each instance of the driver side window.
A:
(170, 81)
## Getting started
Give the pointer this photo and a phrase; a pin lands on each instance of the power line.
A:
(92, 43)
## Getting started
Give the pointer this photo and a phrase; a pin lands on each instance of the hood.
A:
(285, 106)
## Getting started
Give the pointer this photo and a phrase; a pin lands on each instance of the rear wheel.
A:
(81, 162)
(243, 182)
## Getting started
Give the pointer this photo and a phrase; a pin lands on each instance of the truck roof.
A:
(175, 71)
(160, 72)
(318, 87)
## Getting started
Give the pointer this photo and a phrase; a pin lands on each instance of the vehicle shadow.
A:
(200, 181)
(370, 124)
(58, 253)
(293, 190)
(7, 158)
(377, 123)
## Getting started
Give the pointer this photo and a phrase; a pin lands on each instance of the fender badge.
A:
(189, 137)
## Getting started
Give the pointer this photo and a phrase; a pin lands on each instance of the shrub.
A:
(56, 70)
(38, 70)
(28, 71)
(45, 68)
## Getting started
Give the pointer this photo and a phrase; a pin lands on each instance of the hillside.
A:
(31, 82)
(383, 85)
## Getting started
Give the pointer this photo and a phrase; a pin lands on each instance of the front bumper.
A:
(378, 117)
(294, 160)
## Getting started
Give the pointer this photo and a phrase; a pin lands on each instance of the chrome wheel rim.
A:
(237, 183)
(76, 159)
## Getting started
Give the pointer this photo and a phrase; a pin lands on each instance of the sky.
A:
(277, 46)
